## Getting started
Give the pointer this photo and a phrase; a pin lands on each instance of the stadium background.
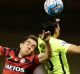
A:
(22, 17)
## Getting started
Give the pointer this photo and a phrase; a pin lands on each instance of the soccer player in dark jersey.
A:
(57, 62)
(24, 61)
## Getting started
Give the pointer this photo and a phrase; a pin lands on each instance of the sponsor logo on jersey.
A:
(14, 68)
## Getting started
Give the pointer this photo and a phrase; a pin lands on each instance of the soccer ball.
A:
(53, 7)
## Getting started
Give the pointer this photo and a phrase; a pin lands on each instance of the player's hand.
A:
(57, 20)
(46, 35)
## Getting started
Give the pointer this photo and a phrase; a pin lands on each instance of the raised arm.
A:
(44, 55)
(74, 49)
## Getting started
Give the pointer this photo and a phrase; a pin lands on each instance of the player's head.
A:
(30, 37)
(28, 45)
(52, 26)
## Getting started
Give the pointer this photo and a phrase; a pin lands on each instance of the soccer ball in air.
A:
(53, 7)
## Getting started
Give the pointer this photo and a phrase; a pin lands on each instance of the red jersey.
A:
(16, 65)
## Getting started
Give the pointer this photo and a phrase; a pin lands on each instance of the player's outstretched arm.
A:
(74, 49)
(44, 56)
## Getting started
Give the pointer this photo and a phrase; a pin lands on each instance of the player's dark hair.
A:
(49, 25)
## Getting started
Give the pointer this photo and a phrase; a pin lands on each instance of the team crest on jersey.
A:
(22, 60)
(64, 43)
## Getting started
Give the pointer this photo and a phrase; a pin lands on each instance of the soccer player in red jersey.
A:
(24, 61)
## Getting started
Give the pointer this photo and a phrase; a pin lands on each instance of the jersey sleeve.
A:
(41, 45)
(58, 45)
(3, 50)
(64, 46)
(36, 59)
